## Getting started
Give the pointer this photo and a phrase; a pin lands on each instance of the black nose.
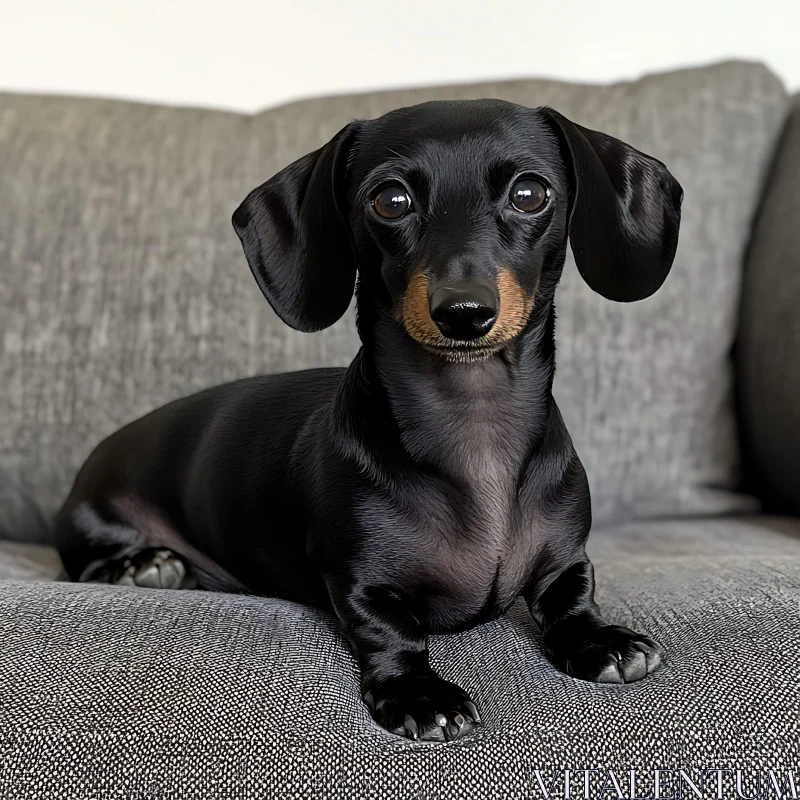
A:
(464, 310)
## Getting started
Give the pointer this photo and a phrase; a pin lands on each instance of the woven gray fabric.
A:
(124, 285)
(706, 539)
(128, 693)
(769, 341)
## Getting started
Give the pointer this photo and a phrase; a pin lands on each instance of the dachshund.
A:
(427, 486)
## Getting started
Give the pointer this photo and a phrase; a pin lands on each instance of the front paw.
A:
(603, 653)
(422, 706)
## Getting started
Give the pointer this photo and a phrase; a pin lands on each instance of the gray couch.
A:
(123, 286)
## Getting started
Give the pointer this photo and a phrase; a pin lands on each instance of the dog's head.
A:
(455, 214)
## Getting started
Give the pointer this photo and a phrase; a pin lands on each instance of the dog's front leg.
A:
(403, 693)
(577, 638)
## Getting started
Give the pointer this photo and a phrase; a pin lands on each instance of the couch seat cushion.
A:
(118, 693)
(21, 561)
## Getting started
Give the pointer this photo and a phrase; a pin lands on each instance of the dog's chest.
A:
(461, 544)
(479, 553)
(464, 547)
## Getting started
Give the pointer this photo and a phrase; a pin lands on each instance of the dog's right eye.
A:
(528, 195)
(392, 202)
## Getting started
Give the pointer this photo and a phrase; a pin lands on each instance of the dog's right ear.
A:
(296, 237)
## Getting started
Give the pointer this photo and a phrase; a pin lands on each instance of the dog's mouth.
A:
(462, 353)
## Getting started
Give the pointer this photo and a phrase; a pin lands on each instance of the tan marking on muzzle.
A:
(515, 308)
(415, 312)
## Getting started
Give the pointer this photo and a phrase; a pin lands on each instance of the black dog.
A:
(432, 482)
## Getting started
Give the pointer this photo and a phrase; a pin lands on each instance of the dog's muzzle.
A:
(464, 309)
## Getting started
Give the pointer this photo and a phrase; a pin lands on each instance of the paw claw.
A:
(653, 659)
(458, 727)
(610, 673)
(473, 711)
(421, 706)
(172, 573)
(126, 579)
(604, 653)
(635, 668)
(435, 734)
(410, 727)
(148, 576)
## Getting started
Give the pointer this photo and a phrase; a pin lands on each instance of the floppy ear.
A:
(296, 238)
(625, 213)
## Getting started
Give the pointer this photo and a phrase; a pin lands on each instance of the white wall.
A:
(247, 54)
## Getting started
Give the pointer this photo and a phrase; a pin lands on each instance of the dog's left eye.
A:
(528, 195)
(392, 202)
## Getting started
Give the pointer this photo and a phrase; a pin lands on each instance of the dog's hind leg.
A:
(97, 548)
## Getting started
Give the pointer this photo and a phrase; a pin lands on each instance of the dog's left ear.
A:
(625, 213)
(296, 237)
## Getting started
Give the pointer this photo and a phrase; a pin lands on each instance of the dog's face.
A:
(455, 214)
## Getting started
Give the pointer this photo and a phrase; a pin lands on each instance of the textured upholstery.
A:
(706, 539)
(132, 693)
(769, 341)
(20, 511)
(23, 561)
(124, 285)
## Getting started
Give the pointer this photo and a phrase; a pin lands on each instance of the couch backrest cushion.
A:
(768, 352)
(124, 285)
